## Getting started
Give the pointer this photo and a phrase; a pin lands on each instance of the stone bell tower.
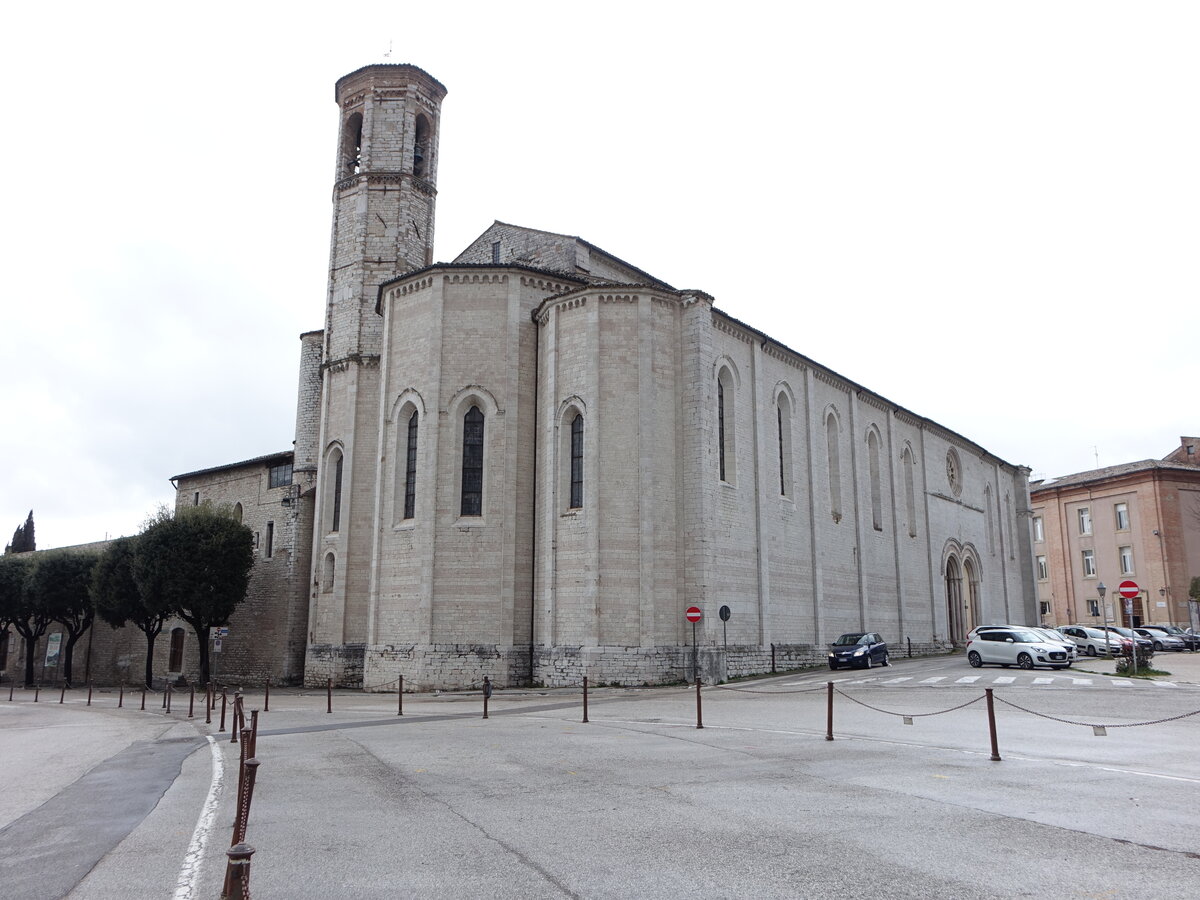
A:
(383, 213)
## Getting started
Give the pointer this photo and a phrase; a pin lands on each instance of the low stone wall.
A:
(427, 667)
(343, 663)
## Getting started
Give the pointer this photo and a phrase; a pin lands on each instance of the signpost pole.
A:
(695, 655)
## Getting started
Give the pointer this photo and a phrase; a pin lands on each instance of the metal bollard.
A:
(143, 699)
(267, 697)
(62, 694)
(699, 717)
(223, 701)
(992, 725)
(10, 691)
(167, 694)
(487, 692)
(329, 695)
(121, 697)
(254, 732)
(400, 698)
(772, 659)
(237, 872)
(37, 689)
(239, 718)
(89, 703)
(585, 718)
(829, 714)
(191, 702)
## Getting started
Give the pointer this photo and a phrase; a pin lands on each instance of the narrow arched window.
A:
(328, 570)
(332, 495)
(472, 463)
(910, 495)
(352, 145)
(990, 513)
(721, 428)
(783, 421)
(835, 466)
(577, 462)
(237, 512)
(175, 663)
(421, 147)
(876, 486)
(726, 457)
(410, 469)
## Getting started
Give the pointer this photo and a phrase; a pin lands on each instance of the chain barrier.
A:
(1097, 724)
(888, 712)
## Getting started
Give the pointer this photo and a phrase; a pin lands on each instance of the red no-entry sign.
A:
(1129, 589)
(693, 614)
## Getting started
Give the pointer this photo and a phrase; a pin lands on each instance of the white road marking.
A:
(1164, 684)
(934, 680)
(1081, 681)
(1043, 681)
(1004, 679)
(969, 679)
(1121, 682)
(897, 680)
(185, 887)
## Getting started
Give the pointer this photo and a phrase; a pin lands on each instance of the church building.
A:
(529, 462)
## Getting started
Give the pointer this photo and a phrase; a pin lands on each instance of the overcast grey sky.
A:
(986, 212)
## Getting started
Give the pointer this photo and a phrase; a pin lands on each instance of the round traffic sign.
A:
(1129, 589)
(724, 613)
(693, 614)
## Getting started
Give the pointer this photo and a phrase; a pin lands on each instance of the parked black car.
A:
(1192, 640)
(858, 648)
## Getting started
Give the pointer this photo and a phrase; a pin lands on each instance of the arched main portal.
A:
(971, 604)
(954, 601)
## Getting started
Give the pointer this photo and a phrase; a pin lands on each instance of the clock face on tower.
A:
(954, 472)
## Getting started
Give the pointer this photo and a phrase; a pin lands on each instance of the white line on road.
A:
(1164, 684)
(1004, 679)
(934, 680)
(185, 887)
(1121, 682)
(969, 679)
(1043, 681)
(1081, 681)
(897, 680)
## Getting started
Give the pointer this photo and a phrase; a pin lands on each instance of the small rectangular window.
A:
(496, 252)
(1039, 533)
(1121, 511)
(270, 539)
(1093, 607)
(279, 476)
(1043, 571)
(1085, 520)
(1045, 608)
(1126, 557)
(1089, 563)
(196, 499)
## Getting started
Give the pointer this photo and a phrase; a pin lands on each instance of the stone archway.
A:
(971, 604)
(954, 602)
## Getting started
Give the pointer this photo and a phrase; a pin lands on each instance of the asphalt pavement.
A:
(638, 802)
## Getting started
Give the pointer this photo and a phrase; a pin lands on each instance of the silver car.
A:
(1093, 641)
(1162, 639)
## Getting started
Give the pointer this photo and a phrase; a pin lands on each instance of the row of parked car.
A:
(1027, 646)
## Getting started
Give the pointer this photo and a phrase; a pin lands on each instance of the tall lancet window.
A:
(876, 481)
(577, 462)
(835, 466)
(410, 470)
(472, 463)
(333, 491)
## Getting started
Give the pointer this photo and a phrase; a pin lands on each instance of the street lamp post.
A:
(1102, 590)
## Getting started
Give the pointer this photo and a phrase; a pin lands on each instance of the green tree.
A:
(59, 586)
(27, 617)
(23, 538)
(119, 601)
(198, 562)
